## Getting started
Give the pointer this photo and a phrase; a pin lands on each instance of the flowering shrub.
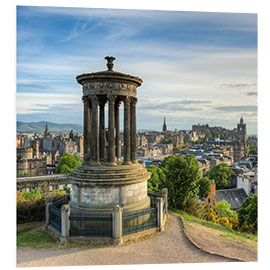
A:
(224, 221)
(209, 213)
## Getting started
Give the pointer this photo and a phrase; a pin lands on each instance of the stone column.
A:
(160, 219)
(117, 128)
(94, 137)
(133, 143)
(65, 223)
(117, 225)
(101, 130)
(89, 128)
(165, 197)
(86, 108)
(48, 202)
(127, 131)
(111, 131)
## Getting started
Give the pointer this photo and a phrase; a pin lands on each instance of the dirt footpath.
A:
(213, 242)
(172, 246)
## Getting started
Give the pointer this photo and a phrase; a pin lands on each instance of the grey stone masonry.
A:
(165, 197)
(111, 154)
(48, 202)
(127, 131)
(117, 224)
(101, 130)
(160, 218)
(117, 128)
(65, 222)
(133, 130)
(86, 130)
(95, 139)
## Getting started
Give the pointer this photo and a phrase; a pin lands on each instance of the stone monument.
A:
(104, 180)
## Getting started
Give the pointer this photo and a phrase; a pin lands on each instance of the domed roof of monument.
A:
(108, 75)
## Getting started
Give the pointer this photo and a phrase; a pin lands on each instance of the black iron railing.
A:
(91, 225)
(55, 213)
(137, 221)
(55, 217)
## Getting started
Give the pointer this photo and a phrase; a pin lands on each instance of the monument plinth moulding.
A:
(104, 180)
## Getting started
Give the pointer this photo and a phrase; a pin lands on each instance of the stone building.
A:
(27, 163)
(204, 165)
(177, 138)
(235, 196)
(241, 147)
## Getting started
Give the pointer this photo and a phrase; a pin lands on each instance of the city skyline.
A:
(196, 67)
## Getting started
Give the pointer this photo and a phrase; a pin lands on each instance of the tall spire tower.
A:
(164, 125)
(46, 129)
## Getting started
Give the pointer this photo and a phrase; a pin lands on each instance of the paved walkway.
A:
(168, 247)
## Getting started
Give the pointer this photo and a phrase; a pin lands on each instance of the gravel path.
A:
(168, 247)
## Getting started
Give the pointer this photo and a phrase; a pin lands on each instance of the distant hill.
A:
(33, 127)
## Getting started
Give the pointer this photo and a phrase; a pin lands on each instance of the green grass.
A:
(36, 239)
(227, 232)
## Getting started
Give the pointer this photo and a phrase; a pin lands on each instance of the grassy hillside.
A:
(33, 127)
(218, 239)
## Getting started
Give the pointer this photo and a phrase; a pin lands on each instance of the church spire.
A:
(46, 129)
(164, 125)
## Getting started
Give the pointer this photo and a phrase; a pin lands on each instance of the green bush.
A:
(248, 215)
(31, 205)
(192, 207)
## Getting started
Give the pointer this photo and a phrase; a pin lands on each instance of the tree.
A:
(221, 173)
(207, 133)
(224, 210)
(68, 163)
(248, 214)
(156, 180)
(185, 140)
(182, 176)
(204, 187)
(166, 141)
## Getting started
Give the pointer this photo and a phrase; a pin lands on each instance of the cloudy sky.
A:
(196, 67)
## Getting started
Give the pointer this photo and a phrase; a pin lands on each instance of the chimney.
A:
(213, 188)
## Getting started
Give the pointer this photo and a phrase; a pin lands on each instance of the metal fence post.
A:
(48, 202)
(117, 224)
(65, 223)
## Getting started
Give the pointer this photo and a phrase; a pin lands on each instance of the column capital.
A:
(102, 101)
(94, 99)
(133, 100)
(85, 99)
(127, 100)
(111, 98)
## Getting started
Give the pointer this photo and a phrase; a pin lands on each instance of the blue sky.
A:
(196, 67)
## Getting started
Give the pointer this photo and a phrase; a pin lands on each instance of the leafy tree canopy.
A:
(248, 214)
(182, 176)
(224, 210)
(156, 180)
(204, 187)
(207, 133)
(68, 163)
(166, 141)
(221, 173)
